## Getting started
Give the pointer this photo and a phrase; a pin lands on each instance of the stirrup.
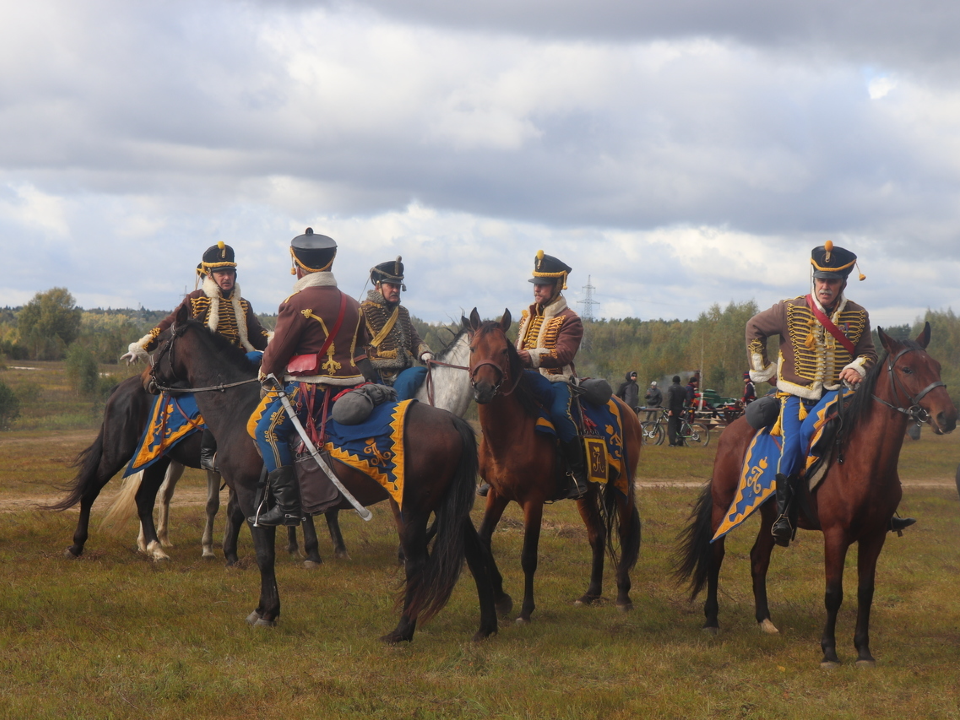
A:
(899, 524)
(780, 537)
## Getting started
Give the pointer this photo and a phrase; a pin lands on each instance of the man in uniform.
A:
(548, 340)
(219, 306)
(318, 346)
(749, 390)
(394, 343)
(825, 343)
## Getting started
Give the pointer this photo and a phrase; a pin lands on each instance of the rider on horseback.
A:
(220, 307)
(395, 344)
(548, 340)
(825, 343)
(318, 345)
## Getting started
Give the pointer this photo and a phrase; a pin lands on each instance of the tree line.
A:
(52, 327)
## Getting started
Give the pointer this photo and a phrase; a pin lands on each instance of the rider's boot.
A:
(285, 487)
(208, 451)
(576, 468)
(483, 489)
(898, 524)
(781, 530)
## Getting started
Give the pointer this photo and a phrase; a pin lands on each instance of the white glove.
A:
(426, 357)
(130, 357)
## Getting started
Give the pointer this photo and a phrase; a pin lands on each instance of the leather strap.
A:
(387, 327)
(830, 327)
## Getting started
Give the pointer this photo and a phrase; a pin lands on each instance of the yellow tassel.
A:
(828, 246)
(777, 429)
(810, 341)
(802, 412)
(862, 276)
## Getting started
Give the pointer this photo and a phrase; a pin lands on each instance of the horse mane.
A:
(859, 407)
(232, 355)
(444, 353)
(522, 391)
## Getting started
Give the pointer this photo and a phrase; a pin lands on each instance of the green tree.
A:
(9, 406)
(49, 323)
(82, 370)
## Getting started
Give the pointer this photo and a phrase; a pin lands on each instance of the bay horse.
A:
(124, 419)
(521, 466)
(854, 503)
(440, 466)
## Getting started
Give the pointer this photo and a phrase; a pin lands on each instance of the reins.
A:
(914, 412)
(430, 364)
(167, 348)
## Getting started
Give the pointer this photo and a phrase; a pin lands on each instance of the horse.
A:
(440, 464)
(521, 465)
(854, 503)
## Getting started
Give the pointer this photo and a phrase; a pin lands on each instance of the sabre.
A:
(361, 510)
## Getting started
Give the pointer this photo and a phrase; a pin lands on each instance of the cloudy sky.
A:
(676, 154)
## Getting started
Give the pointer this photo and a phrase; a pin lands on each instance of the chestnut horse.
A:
(853, 504)
(440, 469)
(521, 465)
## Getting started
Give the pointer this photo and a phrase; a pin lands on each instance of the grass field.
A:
(113, 635)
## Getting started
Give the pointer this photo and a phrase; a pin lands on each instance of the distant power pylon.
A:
(588, 302)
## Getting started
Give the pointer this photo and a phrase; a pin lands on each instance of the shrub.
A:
(9, 406)
(82, 370)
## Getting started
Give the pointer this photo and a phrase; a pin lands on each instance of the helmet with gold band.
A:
(832, 262)
(217, 257)
(388, 272)
(312, 252)
(548, 269)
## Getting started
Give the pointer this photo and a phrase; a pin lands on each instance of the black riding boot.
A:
(208, 451)
(576, 468)
(285, 487)
(898, 524)
(483, 489)
(781, 530)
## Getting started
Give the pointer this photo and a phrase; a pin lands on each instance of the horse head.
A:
(917, 389)
(491, 355)
(166, 370)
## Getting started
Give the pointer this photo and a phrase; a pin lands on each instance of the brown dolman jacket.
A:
(399, 348)
(303, 322)
(810, 358)
(552, 336)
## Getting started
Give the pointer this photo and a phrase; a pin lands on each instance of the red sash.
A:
(830, 327)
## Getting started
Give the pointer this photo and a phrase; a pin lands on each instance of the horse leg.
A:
(333, 526)
(398, 522)
(311, 544)
(165, 495)
(711, 606)
(146, 498)
(629, 552)
(293, 547)
(759, 564)
(480, 563)
(496, 504)
(867, 555)
(532, 518)
(413, 539)
(268, 609)
(835, 553)
(231, 530)
(213, 506)
(597, 536)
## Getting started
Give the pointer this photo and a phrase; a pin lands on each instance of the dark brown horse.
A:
(440, 477)
(853, 504)
(521, 465)
(124, 418)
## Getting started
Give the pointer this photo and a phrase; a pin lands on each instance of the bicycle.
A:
(691, 432)
(652, 430)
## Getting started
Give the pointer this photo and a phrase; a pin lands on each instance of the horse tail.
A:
(124, 505)
(88, 462)
(629, 545)
(695, 555)
(443, 566)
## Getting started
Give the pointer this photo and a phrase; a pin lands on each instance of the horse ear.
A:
(464, 323)
(182, 316)
(505, 320)
(923, 339)
(885, 339)
(474, 319)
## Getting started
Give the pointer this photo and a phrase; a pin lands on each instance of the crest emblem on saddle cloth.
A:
(595, 451)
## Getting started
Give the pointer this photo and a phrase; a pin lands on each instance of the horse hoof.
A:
(482, 635)
(70, 554)
(768, 627)
(393, 638)
(830, 664)
(311, 565)
(866, 663)
(585, 600)
(625, 607)
(504, 606)
(522, 621)
(265, 623)
(253, 618)
(342, 555)
(710, 630)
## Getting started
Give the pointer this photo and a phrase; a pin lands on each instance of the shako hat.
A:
(389, 272)
(832, 262)
(312, 252)
(548, 269)
(217, 257)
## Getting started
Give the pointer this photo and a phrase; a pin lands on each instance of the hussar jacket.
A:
(303, 323)
(232, 317)
(395, 344)
(810, 359)
(552, 336)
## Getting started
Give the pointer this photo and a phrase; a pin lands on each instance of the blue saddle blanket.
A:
(171, 419)
(758, 474)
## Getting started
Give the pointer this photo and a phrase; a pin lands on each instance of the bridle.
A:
(430, 364)
(914, 411)
(502, 373)
(167, 349)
